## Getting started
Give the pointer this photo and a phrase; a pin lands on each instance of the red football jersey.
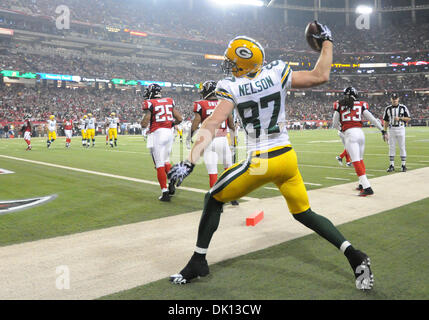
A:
(68, 125)
(162, 113)
(27, 125)
(205, 108)
(351, 118)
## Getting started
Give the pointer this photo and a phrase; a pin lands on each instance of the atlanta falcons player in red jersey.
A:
(68, 131)
(159, 115)
(219, 149)
(26, 129)
(347, 117)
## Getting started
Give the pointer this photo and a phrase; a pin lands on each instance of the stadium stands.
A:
(177, 37)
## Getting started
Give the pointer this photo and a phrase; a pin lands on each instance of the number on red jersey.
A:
(205, 108)
(351, 117)
(162, 112)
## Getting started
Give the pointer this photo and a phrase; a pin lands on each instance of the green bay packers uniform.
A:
(90, 130)
(258, 94)
(52, 134)
(260, 105)
(82, 127)
(113, 129)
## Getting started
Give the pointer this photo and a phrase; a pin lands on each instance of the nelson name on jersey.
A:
(249, 88)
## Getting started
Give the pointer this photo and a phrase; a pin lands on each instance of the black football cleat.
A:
(390, 169)
(404, 168)
(196, 267)
(359, 188)
(366, 192)
(234, 203)
(339, 159)
(165, 197)
(361, 265)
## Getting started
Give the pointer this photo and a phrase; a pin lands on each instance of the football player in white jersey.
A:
(52, 130)
(113, 123)
(90, 130)
(259, 94)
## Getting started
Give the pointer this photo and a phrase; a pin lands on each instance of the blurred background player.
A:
(82, 127)
(68, 131)
(187, 130)
(159, 115)
(347, 117)
(52, 130)
(113, 123)
(219, 149)
(26, 129)
(178, 132)
(395, 118)
(90, 130)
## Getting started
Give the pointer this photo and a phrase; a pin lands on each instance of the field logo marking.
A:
(8, 206)
(4, 171)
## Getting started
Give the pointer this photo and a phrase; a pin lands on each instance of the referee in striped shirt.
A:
(395, 118)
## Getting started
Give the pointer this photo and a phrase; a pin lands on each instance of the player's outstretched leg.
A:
(358, 260)
(197, 265)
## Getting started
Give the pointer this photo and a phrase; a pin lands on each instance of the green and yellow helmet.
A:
(243, 56)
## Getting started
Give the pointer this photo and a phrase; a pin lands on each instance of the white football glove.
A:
(324, 32)
(179, 172)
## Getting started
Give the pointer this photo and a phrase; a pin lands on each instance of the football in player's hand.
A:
(312, 33)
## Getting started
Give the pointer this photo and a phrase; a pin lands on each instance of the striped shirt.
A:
(391, 112)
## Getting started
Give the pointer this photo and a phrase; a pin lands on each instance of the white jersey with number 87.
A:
(260, 104)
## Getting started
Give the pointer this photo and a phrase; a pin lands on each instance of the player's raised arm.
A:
(322, 69)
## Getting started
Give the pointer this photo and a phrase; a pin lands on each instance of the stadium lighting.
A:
(258, 3)
(363, 9)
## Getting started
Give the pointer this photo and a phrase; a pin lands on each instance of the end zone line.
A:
(109, 175)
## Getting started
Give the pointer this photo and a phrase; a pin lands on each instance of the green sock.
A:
(321, 226)
(209, 221)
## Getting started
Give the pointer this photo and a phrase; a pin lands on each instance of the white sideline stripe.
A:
(108, 175)
(367, 154)
(270, 188)
(333, 178)
(423, 160)
(313, 184)
(328, 167)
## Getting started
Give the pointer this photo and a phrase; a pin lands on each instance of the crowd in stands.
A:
(18, 101)
(59, 62)
(196, 28)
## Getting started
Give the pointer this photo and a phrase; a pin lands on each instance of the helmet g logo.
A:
(244, 52)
